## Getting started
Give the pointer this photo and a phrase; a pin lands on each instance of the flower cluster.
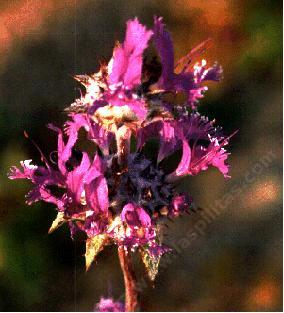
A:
(120, 194)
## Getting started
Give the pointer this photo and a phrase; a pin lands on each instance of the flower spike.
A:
(138, 111)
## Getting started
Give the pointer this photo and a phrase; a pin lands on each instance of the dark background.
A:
(234, 262)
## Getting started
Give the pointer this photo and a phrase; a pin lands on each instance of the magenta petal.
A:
(96, 186)
(44, 195)
(214, 73)
(83, 167)
(119, 65)
(74, 179)
(196, 127)
(33, 195)
(48, 197)
(164, 45)
(149, 131)
(15, 173)
(98, 163)
(144, 217)
(95, 170)
(165, 131)
(100, 136)
(129, 215)
(27, 173)
(194, 95)
(39, 175)
(65, 151)
(97, 195)
(168, 140)
(127, 58)
(139, 109)
(219, 161)
(134, 215)
(180, 203)
(184, 164)
(102, 191)
(95, 132)
(213, 155)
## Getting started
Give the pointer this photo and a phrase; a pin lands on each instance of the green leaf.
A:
(151, 263)
(93, 246)
(57, 222)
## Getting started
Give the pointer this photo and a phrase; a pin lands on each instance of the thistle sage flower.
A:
(119, 194)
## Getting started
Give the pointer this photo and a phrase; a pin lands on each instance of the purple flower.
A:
(120, 194)
(135, 216)
(180, 203)
(186, 81)
(41, 177)
(202, 144)
(96, 133)
(115, 84)
(201, 157)
(133, 228)
(109, 305)
(164, 45)
(163, 129)
(77, 187)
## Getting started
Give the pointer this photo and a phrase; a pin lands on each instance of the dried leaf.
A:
(57, 222)
(93, 246)
(151, 263)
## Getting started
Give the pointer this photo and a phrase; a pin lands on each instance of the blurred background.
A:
(229, 255)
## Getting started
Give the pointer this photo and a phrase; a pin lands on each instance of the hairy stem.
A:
(123, 135)
(131, 293)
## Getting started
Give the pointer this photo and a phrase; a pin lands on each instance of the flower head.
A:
(119, 194)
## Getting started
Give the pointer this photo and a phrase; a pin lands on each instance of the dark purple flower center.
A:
(142, 183)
